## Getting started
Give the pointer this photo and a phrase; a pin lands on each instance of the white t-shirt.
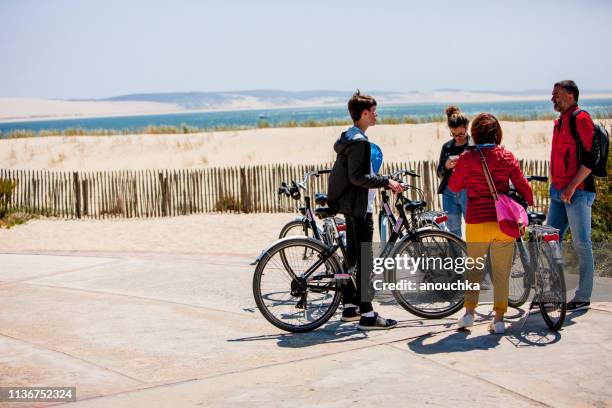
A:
(371, 193)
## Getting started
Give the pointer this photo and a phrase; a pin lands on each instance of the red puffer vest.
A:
(564, 156)
(468, 174)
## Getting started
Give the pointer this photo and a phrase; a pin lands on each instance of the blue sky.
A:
(82, 49)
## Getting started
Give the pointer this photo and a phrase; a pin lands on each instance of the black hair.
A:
(570, 86)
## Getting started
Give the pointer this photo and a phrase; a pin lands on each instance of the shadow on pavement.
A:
(339, 332)
(455, 342)
(534, 332)
(335, 332)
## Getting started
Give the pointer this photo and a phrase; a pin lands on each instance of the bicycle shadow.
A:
(339, 332)
(334, 332)
(531, 330)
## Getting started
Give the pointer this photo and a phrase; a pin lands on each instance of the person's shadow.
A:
(457, 341)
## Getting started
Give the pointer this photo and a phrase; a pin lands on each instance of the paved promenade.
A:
(140, 330)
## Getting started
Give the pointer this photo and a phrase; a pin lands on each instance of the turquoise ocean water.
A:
(250, 118)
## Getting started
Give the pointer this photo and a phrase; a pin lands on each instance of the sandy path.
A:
(232, 234)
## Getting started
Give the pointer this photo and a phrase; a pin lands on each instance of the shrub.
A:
(6, 191)
(13, 217)
(602, 207)
(227, 203)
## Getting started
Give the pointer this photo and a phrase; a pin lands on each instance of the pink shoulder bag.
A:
(511, 216)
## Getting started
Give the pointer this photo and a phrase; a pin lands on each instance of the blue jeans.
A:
(576, 216)
(454, 204)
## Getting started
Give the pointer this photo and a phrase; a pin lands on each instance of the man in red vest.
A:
(572, 188)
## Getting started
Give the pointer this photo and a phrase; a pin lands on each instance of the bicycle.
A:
(538, 265)
(386, 218)
(297, 282)
(306, 225)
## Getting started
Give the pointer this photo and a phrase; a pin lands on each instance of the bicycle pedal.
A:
(301, 304)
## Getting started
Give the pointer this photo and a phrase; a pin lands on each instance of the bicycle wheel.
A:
(298, 228)
(520, 275)
(287, 299)
(550, 286)
(295, 228)
(428, 301)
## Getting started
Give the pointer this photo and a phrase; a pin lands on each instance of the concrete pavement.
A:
(183, 330)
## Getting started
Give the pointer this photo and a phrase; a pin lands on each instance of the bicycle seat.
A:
(303, 210)
(321, 199)
(537, 217)
(415, 205)
(324, 212)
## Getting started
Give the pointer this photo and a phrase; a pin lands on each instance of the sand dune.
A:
(19, 109)
(528, 140)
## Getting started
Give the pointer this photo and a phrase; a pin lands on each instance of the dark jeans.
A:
(359, 231)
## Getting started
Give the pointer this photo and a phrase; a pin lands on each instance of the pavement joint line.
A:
(371, 344)
(83, 268)
(246, 259)
(129, 256)
(239, 371)
(145, 387)
(476, 377)
(39, 347)
(598, 309)
(171, 302)
(58, 254)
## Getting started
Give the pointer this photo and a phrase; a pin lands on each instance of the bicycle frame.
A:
(398, 225)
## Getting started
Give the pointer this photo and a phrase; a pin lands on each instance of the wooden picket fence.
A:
(171, 192)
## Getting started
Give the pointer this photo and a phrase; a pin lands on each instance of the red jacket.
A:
(468, 174)
(563, 156)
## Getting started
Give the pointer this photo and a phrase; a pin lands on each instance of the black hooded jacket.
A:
(351, 177)
(448, 149)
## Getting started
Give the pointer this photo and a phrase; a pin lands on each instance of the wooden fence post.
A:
(77, 193)
(163, 186)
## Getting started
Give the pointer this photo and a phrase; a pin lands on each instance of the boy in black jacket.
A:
(352, 185)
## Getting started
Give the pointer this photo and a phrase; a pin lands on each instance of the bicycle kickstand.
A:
(533, 302)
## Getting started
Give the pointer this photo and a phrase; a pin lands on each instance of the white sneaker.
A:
(465, 321)
(497, 327)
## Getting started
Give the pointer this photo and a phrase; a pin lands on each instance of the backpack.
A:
(599, 147)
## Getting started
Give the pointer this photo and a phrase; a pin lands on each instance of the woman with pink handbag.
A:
(493, 219)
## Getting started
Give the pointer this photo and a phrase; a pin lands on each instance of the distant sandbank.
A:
(32, 109)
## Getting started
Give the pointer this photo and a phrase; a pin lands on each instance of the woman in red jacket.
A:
(482, 230)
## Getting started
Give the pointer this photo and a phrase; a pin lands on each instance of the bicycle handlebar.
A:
(316, 173)
(404, 172)
(542, 179)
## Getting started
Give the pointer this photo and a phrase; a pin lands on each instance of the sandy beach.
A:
(528, 140)
(209, 233)
(243, 234)
(203, 234)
